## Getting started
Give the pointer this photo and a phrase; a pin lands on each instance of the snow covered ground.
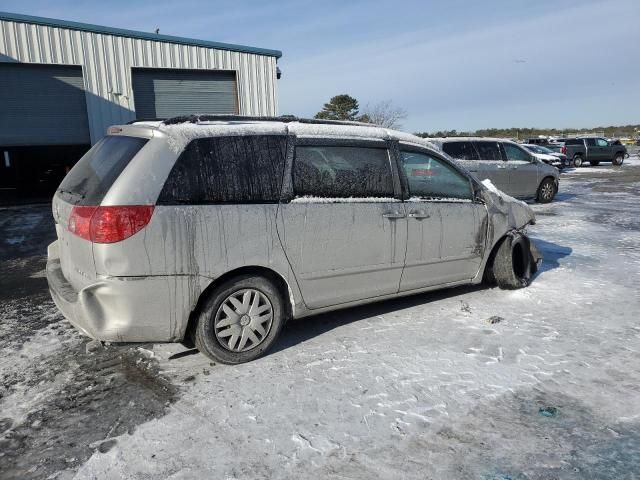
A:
(483, 383)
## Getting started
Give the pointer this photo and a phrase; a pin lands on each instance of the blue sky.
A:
(449, 64)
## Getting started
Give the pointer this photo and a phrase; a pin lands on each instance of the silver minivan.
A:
(510, 167)
(216, 230)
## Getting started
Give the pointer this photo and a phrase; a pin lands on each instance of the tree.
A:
(385, 114)
(340, 107)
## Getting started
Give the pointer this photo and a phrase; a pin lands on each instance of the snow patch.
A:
(313, 199)
(179, 135)
(439, 199)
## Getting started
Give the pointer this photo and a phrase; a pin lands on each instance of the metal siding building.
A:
(62, 84)
(108, 55)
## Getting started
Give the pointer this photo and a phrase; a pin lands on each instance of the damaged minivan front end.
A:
(506, 233)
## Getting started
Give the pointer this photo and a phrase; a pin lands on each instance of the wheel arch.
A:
(487, 275)
(278, 280)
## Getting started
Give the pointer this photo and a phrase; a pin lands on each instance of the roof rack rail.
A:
(137, 120)
(282, 118)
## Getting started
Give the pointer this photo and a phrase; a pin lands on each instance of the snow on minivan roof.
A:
(180, 134)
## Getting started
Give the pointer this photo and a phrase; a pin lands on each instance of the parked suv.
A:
(219, 229)
(594, 150)
(509, 166)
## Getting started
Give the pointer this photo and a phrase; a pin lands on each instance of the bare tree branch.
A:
(385, 114)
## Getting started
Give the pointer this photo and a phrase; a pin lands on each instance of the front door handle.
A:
(393, 215)
(418, 214)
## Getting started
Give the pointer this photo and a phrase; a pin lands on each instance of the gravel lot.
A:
(537, 383)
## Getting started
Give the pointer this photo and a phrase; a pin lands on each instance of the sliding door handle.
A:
(418, 214)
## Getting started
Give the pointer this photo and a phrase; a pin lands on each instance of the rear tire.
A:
(513, 265)
(618, 159)
(240, 320)
(546, 191)
(577, 161)
(594, 163)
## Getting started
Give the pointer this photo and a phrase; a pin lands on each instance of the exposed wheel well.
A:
(276, 278)
(487, 275)
(618, 153)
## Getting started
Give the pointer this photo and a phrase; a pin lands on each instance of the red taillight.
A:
(109, 224)
(563, 150)
(80, 221)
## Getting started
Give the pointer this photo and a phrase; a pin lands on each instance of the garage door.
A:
(164, 93)
(42, 105)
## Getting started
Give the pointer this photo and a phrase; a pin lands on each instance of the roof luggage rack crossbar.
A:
(282, 118)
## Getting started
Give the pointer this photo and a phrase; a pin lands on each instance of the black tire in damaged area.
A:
(513, 263)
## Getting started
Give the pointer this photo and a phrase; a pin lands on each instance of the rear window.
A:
(573, 142)
(91, 178)
(460, 150)
(240, 169)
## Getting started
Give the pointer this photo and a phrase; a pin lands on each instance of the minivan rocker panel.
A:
(146, 263)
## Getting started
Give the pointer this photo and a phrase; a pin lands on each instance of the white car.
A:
(545, 155)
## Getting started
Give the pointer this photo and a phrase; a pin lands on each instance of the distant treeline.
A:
(611, 131)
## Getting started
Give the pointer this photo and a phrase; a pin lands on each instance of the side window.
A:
(602, 142)
(591, 142)
(342, 172)
(430, 177)
(240, 169)
(460, 150)
(515, 153)
(488, 150)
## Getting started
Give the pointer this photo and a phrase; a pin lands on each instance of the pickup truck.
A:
(593, 150)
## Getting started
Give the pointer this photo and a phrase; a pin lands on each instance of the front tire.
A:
(546, 191)
(240, 320)
(618, 159)
(577, 161)
(513, 265)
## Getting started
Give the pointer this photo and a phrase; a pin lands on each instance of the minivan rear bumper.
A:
(122, 309)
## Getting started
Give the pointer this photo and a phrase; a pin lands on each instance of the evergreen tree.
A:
(340, 107)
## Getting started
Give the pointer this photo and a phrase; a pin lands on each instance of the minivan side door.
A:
(446, 226)
(342, 223)
(492, 164)
(523, 171)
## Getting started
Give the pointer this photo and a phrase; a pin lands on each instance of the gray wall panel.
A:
(168, 92)
(42, 105)
(107, 61)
